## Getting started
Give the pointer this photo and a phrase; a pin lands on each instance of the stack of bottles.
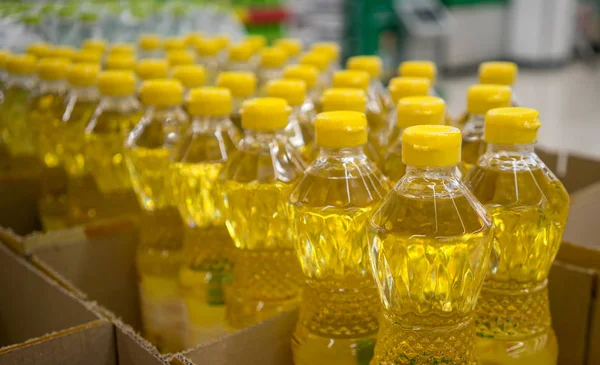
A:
(401, 236)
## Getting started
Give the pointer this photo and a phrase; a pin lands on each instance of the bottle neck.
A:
(511, 149)
(341, 153)
(431, 172)
(123, 104)
(51, 86)
(85, 93)
(22, 80)
(211, 122)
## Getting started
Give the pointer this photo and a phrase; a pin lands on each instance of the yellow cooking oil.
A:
(346, 99)
(529, 207)
(480, 99)
(330, 208)
(308, 74)
(105, 134)
(18, 135)
(190, 77)
(377, 113)
(500, 73)
(256, 182)
(120, 62)
(272, 62)
(293, 48)
(373, 65)
(411, 111)
(150, 46)
(300, 128)
(322, 63)
(208, 50)
(431, 243)
(240, 58)
(207, 248)
(149, 149)
(96, 45)
(242, 86)
(81, 101)
(45, 111)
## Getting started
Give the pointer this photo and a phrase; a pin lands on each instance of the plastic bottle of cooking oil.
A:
(431, 241)
(499, 73)
(257, 42)
(180, 57)
(272, 61)
(150, 46)
(223, 40)
(192, 39)
(300, 129)
(117, 113)
(208, 56)
(529, 206)
(309, 75)
(480, 99)
(242, 86)
(330, 209)
(292, 46)
(321, 62)
(80, 103)
(240, 58)
(124, 49)
(190, 76)
(62, 51)
(174, 44)
(149, 149)
(373, 66)
(39, 49)
(399, 88)
(207, 248)
(152, 68)
(377, 114)
(332, 51)
(94, 44)
(256, 182)
(87, 56)
(120, 62)
(17, 133)
(45, 109)
(411, 111)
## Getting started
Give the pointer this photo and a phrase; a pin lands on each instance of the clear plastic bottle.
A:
(480, 99)
(431, 242)
(321, 62)
(207, 250)
(180, 57)
(411, 111)
(499, 73)
(152, 68)
(242, 86)
(272, 61)
(256, 182)
(44, 114)
(529, 206)
(330, 209)
(399, 88)
(190, 76)
(292, 46)
(240, 58)
(120, 62)
(118, 112)
(309, 75)
(150, 46)
(373, 66)
(149, 149)
(208, 56)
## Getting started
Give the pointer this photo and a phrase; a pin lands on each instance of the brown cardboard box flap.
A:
(135, 350)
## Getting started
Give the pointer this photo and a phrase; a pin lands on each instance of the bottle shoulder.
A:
(202, 143)
(158, 129)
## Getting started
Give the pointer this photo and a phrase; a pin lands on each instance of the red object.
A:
(266, 16)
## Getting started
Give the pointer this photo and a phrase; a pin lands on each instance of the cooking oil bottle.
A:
(399, 88)
(242, 86)
(39, 49)
(208, 50)
(178, 58)
(87, 56)
(330, 209)
(175, 43)
(499, 73)
(150, 46)
(529, 206)
(190, 77)
(96, 45)
(17, 133)
(149, 149)
(45, 109)
(292, 46)
(272, 61)
(321, 62)
(120, 62)
(256, 182)
(240, 58)
(152, 68)
(117, 113)
(373, 66)
(123, 49)
(332, 51)
(62, 51)
(300, 129)
(411, 111)
(480, 99)
(257, 43)
(207, 262)
(309, 75)
(431, 241)
(425, 69)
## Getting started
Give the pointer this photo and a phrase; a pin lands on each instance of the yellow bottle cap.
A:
(500, 73)
(316, 59)
(292, 46)
(481, 98)
(306, 73)
(241, 52)
(331, 49)
(120, 62)
(402, 87)
(511, 126)
(223, 40)
(340, 129)
(420, 110)
(161, 92)
(241, 84)
(39, 49)
(193, 38)
(52, 69)
(86, 56)
(265, 114)
(272, 57)
(257, 42)
(149, 42)
(21, 64)
(210, 102)
(292, 90)
(208, 47)
(83, 74)
(351, 79)
(190, 76)
(431, 146)
(344, 99)
(116, 83)
(180, 57)
(370, 64)
(174, 44)
(3, 58)
(425, 69)
(95, 44)
(152, 68)
(122, 49)
(62, 51)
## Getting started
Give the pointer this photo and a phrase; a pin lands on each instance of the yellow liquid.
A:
(473, 145)
(393, 167)
(529, 207)
(340, 304)
(431, 249)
